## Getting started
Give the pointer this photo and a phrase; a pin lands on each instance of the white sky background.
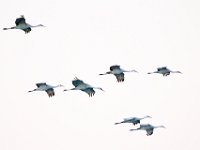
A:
(83, 39)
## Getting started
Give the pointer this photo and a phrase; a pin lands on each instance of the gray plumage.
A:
(21, 24)
(133, 120)
(164, 71)
(49, 89)
(148, 128)
(118, 72)
(80, 85)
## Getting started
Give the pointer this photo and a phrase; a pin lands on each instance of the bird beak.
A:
(136, 71)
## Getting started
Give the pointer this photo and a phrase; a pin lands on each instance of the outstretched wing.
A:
(89, 91)
(41, 84)
(149, 131)
(162, 68)
(20, 20)
(120, 77)
(50, 92)
(114, 67)
(27, 30)
(76, 82)
(136, 122)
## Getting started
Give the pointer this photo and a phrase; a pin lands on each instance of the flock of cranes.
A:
(135, 120)
(90, 90)
(116, 70)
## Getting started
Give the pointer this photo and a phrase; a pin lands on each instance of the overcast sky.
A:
(83, 39)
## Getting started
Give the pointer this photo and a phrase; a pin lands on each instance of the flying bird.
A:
(80, 85)
(148, 128)
(45, 87)
(133, 120)
(21, 24)
(164, 71)
(118, 72)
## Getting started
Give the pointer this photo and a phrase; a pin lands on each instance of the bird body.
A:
(80, 85)
(45, 87)
(133, 120)
(148, 128)
(164, 71)
(118, 72)
(21, 24)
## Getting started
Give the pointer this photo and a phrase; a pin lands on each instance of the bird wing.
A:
(136, 122)
(89, 91)
(20, 20)
(120, 77)
(41, 84)
(149, 131)
(77, 82)
(162, 68)
(27, 30)
(50, 92)
(133, 120)
(114, 67)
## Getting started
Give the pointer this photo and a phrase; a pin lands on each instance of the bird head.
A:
(178, 72)
(101, 89)
(148, 116)
(41, 25)
(162, 126)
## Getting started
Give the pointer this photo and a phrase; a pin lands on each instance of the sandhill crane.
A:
(164, 71)
(133, 120)
(80, 85)
(148, 128)
(21, 24)
(118, 72)
(45, 87)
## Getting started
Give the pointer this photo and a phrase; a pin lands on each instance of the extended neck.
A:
(161, 126)
(175, 72)
(39, 25)
(130, 71)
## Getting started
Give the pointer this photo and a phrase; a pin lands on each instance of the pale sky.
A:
(83, 39)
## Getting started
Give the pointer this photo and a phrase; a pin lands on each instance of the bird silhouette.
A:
(20, 23)
(80, 85)
(45, 87)
(118, 72)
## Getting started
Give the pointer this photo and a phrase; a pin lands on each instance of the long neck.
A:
(99, 88)
(56, 86)
(33, 26)
(159, 126)
(175, 72)
(144, 117)
(129, 70)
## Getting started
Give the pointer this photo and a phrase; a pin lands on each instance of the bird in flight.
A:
(117, 72)
(148, 128)
(80, 85)
(133, 120)
(47, 88)
(164, 71)
(20, 23)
